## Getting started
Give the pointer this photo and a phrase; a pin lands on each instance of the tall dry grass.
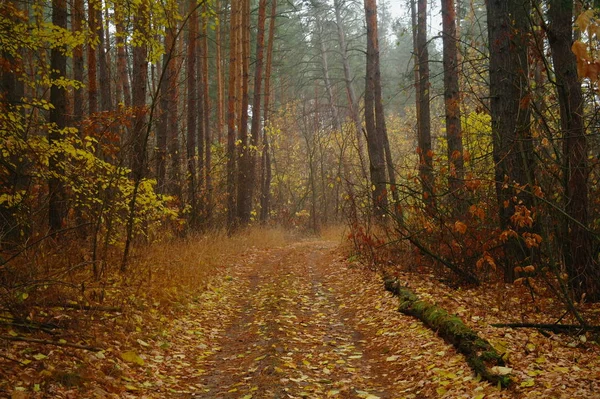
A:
(173, 270)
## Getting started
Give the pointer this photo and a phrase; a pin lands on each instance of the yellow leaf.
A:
(132, 357)
(584, 19)
(528, 383)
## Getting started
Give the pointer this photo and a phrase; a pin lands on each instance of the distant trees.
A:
(120, 118)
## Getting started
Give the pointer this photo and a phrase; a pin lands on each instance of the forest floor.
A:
(295, 321)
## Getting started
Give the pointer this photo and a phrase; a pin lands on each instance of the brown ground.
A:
(292, 322)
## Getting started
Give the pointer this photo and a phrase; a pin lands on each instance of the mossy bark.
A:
(479, 353)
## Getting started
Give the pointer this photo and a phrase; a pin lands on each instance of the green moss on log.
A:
(479, 353)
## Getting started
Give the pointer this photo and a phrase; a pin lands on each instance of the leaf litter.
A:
(296, 321)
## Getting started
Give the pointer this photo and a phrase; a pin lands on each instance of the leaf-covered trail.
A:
(298, 322)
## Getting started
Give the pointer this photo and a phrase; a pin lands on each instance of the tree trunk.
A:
(139, 134)
(232, 117)
(15, 177)
(105, 94)
(452, 105)
(206, 109)
(162, 125)
(244, 200)
(123, 85)
(92, 60)
(352, 99)
(57, 206)
(77, 16)
(424, 117)
(174, 66)
(375, 145)
(578, 242)
(219, 74)
(509, 108)
(191, 114)
(266, 154)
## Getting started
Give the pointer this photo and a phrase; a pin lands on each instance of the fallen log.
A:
(479, 353)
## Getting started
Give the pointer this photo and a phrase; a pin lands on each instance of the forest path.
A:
(300, 322)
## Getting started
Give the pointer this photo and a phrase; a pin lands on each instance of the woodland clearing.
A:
(289, 319)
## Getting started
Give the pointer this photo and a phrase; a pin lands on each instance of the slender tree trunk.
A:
(201, 133)
(92, 60)
(162, 125)
(415, 57)
(352, 99)
(57, 205)
(139, 134)
(174, 183)
(382, 131)
(325, 70)
(219, 74)
(266, 154)
(15, 178)
(207, 130)
(452, 104)
(123, 85)
(77, 16)
(105, 94)
(244, 200)
(509, 107)
(578, 247)
(232, 117)
(424, 134)
(191, 114)
(256, 109)
(375, 145)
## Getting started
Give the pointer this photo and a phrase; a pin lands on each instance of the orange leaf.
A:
(580, 50)
(460, 227)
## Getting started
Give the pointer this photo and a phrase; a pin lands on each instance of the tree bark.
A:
(123, 84)
(191, 114)
(266, 154)
(244, 200)
(578, 241)
(57, 205)
(206, 112)
(139, 134)
(375, 145)
(425, 150)
(352, 98)
(92, 60)
(77, 16)
(509, 108)
(219, 74)
(452, 105)
(232, 117)
(105, 92)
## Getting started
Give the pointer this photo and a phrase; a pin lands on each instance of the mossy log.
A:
(480, 354)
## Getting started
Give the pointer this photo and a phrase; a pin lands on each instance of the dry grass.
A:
(336, 233)
(169, 271)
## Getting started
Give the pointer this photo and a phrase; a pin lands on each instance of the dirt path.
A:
(297, 322)
(289, 340)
